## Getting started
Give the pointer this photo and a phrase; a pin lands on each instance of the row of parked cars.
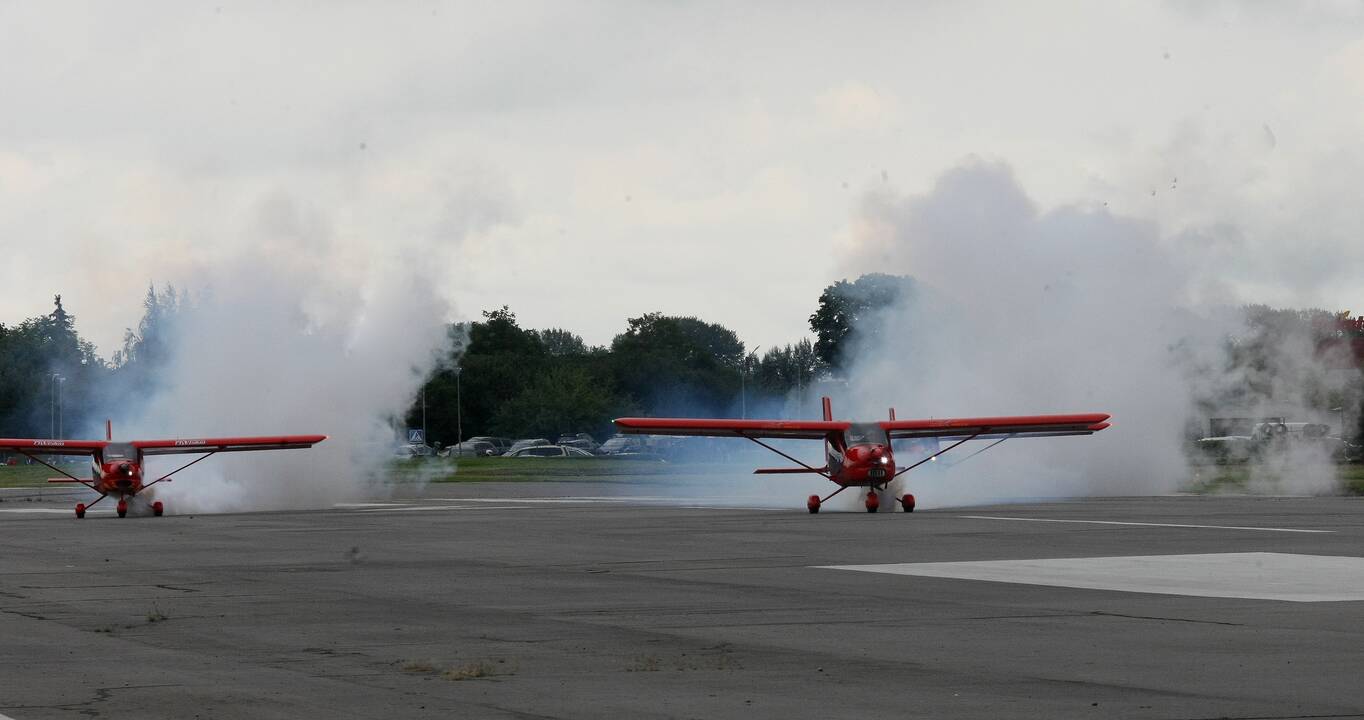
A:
(1268, 438)
(576, 445)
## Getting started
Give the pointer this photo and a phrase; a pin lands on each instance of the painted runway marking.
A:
(426, 508)
(522, 503)
(1250, 576)
(48, 511)
(1143, 524)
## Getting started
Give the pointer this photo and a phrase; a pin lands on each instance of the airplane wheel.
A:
(122, 508)
(907, 502)
(873, 502)
(80, 510)
(813, 504)
(158, 508)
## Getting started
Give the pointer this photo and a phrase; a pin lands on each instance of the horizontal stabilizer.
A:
(785, 471)
(64, 480)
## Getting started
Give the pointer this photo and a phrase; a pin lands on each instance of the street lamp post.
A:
(61, 387)
(425, 440)
(52, 405)
(459, 412)
(743, 384)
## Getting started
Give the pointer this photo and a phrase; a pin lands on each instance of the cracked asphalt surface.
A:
(555, 600)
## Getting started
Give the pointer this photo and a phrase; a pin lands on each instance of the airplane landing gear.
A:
(873, 501)
(907, 502)
(812, 504)
(80, 510)
(122, 508)
(158, 508)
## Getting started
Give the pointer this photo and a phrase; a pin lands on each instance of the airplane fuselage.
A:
(117, 477)
(867, 464)
(117, 470)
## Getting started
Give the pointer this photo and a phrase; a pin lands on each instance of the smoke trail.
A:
(1025, 312)
(285, 339)
(1271, 365)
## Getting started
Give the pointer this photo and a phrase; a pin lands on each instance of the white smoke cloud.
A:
(1025, 311)
(291, 335)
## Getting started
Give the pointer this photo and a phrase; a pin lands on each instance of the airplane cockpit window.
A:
(862, 433)
(119, 451)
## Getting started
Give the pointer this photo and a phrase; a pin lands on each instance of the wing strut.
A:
(930, 457)
(987, 447)
(166, 477)
(740, 433)
(54, 467)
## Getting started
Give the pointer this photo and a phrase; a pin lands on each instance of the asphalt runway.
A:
(570, 600)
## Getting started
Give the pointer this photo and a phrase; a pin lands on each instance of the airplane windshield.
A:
(119, 451)
(862, 433)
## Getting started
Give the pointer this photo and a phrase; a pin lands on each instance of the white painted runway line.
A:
(427, 504)
(428, 508)
(1143, 524)
(1250, 576)
(57, 511)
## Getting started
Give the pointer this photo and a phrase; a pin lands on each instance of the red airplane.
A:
(117, 467)
(859, 454)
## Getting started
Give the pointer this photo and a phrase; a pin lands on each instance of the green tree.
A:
(678, 365)
(562, 400)
(494, 364)
(849, 311)
(558, 341)
(782, 370)
(46, 366)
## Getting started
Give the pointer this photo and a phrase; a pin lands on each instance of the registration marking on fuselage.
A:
(1142, 524)
(1250, 576)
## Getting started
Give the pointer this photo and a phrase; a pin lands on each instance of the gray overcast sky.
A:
(587, 162)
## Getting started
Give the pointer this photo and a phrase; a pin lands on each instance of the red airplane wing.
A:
(802, 429)
(231, 444)
(997, 427)
(51, 447)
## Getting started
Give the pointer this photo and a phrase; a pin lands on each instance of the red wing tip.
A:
(1096, 427)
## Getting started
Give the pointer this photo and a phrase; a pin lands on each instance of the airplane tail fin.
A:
(108, 429)
(828, 408)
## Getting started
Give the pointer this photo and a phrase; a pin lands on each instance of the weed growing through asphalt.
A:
(469, 671)
(644, 663)
(466, 671)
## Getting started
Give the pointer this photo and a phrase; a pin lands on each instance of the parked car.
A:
(618, 444)
(412, 450)
(500, 444)
(558, 451)
(582, 441)
(532, 442)
(473, 448)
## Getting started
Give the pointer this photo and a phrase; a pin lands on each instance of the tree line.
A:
(499, 378)
(503, 379)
